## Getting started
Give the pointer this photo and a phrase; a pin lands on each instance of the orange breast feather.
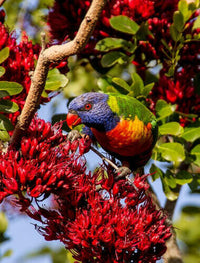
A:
(128, 138)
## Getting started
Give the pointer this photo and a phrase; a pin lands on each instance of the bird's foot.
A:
(73, 135)
(123, 171)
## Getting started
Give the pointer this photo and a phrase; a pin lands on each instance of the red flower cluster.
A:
(40, 164)
(65, 17)
(102, 227)
(97, 218)
(18, 65)
(178, 91)
(179, 88)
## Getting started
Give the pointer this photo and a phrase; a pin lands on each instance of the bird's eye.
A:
(88, 106)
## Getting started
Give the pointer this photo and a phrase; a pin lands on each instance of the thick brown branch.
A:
(172, 254)
(54, 54)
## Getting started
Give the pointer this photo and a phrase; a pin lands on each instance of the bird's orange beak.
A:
(73, 119)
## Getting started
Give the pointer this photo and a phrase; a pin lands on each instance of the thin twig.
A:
(51, 55)
(113, 165)
(43, 43)
(104, 158)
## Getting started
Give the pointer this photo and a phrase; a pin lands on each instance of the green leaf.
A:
(122, 83)
(143, 31)
(111, 89)
(194, 185)
(55, 80)
(166, 45)
(4, 136)
(137, 86)
(4, 54)
(3, 223)
(5, 123)
(191, 134)
(178, 21)
(191, 210)
(183, 8)
(170, 72)
(124, 24)
(173, 128)
(109, 43)
(147, 88)
(155, 172)
(172, 152)
(170, 179)
(196, 24)
(103, 83)
(196, 152)
(171, 195)
(175, 34)
(7, 253)
(193, 5)
(113, 57)
(183, 177)
(187, 8)
(9, 88)
(8, 106)
(2, 71)
(163, 109)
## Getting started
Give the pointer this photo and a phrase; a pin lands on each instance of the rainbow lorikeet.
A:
(121, 124)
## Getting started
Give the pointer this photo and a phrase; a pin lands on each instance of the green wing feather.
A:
(128, 107)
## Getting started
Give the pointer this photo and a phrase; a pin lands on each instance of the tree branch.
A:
(173, 254)
(54, 54)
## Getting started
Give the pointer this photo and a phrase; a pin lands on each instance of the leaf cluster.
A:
(178, 147)
(7, 89)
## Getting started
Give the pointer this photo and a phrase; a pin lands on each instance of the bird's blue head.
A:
(92, 110)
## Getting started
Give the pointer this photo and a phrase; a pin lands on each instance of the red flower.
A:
(104, 228)
(41, 164)
(65, 17)
(178, 91)
(97, 218)
(18, 65)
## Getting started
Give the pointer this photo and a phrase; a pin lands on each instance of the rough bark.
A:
(54, 54)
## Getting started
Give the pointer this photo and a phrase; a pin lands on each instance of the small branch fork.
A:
(104, 158)
(114, 166)
(51, 55)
